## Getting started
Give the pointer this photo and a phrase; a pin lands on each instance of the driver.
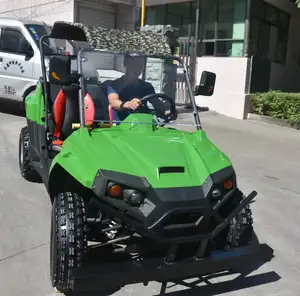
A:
(125, 92)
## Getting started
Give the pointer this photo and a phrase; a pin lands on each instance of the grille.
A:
(185, 224)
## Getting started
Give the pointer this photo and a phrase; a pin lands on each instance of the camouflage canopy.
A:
(124, 41)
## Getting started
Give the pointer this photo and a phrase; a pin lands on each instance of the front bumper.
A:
(155, 269)
(190, 232)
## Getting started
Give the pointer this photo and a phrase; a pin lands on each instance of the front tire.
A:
(240, 230)
(68, 243)
(26, 168)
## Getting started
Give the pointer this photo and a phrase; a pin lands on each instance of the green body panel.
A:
(34, 104)
(140, 149)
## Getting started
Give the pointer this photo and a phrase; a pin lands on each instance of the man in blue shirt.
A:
(124, 93)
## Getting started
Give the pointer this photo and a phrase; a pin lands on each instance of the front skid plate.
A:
(154, 269)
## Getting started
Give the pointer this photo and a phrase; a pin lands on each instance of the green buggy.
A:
(139, 186)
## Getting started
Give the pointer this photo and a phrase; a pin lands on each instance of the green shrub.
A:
(278, 105)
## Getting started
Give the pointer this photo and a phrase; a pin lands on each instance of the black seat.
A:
(66, 103)
(100, 101)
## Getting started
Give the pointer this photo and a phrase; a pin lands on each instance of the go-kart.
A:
(167, 198)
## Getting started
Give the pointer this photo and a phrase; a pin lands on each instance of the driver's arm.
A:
(114, 98)
(116, 103)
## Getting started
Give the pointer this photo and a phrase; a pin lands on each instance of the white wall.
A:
(229, 97)
(287, 76)
(45, 10)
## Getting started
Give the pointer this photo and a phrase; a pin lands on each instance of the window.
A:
(13, 41)
(269, 28)
(209, 16)
(222, 28)
(156, 15)
(180, 15)
(37, 31)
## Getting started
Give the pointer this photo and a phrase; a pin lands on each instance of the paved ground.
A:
(266, 158)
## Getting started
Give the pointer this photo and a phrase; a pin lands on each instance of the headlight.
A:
(114, 190)
(216, 194)
(131, 196)
(228, 184)
(222, 189)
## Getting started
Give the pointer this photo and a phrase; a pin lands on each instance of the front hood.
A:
(167, 158)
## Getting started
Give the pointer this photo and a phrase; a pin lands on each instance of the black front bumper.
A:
(155, 269)
(195, 232)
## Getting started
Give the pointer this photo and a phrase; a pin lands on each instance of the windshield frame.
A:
(166, 57)
(48, 30)
(81, 79)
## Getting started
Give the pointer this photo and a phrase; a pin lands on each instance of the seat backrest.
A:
(71, 114)
(66, 111)
(100, 101)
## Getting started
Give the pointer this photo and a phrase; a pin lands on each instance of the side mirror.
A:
(29, 53)
(26, 49)
(207, 84)
(60, 71)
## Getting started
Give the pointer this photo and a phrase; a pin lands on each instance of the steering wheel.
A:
(159, 111)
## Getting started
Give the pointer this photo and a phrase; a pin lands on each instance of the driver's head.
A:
(134, 65)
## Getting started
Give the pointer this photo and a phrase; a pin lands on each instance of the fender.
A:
(74, 159)
(25, 94)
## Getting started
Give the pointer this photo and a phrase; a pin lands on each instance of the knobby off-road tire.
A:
(26, 168)
(68, 243)
(240, 230)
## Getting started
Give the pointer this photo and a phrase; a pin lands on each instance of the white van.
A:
(20, 61)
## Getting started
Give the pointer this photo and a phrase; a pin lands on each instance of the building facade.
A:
(106, 13)
(252, 45)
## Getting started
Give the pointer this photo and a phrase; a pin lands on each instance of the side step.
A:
(155, 269)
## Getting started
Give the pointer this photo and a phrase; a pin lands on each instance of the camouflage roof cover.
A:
(124, 41)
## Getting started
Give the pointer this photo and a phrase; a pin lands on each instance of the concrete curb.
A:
(271, 120)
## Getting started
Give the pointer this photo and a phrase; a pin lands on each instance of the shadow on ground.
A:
(239, 279)
(188, 110)
(11, 107)
(240, 282)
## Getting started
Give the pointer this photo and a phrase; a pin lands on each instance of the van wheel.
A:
(68, 242)
(26, 168)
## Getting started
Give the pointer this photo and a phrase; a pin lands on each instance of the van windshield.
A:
(51, 46)
(36, 32)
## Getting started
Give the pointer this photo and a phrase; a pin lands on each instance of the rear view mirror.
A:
(207, 84)
(60, 71)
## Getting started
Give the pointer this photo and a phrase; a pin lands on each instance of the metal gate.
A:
(186, 53)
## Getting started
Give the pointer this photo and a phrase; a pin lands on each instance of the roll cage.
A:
(81, 33)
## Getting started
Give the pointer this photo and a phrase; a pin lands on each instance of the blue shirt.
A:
(127, 92)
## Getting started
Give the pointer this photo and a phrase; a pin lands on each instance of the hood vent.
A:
(170, 170)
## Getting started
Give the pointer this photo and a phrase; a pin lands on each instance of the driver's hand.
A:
(133, 104)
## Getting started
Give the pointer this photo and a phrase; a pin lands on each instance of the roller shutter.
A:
(101, 14)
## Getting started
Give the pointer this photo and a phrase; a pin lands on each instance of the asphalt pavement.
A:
(266, 158)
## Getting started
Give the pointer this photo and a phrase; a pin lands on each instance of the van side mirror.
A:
(207, 84)
(26, 48)
(29, 52)
(60, 71)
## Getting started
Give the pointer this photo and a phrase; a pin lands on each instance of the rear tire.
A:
(26, 168)
(68, 243)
